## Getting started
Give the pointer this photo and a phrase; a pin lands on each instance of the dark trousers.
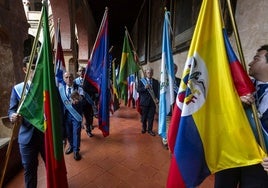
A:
(252, 176)
(147, 117)
(29, 157)
(88, 114)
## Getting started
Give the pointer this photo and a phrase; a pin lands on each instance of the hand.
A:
(147, 86)
(265, 164)
(15, 117)
(248, 99)
(75, 101)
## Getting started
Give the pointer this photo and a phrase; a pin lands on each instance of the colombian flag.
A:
(209, 126)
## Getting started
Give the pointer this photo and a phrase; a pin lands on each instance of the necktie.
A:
(69, 92)
(81, 81)
(260, 91)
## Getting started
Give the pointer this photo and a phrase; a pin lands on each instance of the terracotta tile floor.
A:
(124, 159)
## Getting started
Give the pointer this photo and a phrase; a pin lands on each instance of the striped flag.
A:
(59, 63)
(209, 125)
(241, 79)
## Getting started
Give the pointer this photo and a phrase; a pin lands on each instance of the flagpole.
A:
(242, 59)
(143, 72)
(57, 40)
(102, 22)
(16, 126)
(134, 50)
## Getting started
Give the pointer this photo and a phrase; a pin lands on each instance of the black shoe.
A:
(77, 156)
(151, 133)
(89, 134)
(143, 131)
(69, 150)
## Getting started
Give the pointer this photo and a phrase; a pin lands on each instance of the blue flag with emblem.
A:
(167, 78)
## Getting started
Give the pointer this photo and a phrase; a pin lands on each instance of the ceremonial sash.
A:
(18, 88)
(151, 92)
(176, 89)
(88, 98)
(68, 104)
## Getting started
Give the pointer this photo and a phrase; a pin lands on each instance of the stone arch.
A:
(86, 32)
(78, 30)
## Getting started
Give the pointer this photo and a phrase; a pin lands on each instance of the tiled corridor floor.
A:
(124, 159)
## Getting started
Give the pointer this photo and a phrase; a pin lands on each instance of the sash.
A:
(90, 101)
(176, 89)
(18, 88)
(68, 104)
(88, 98)
(151, 92)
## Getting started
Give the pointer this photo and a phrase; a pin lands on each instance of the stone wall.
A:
(251, 19)
(13, 32)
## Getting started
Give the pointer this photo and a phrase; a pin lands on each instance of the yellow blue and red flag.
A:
(209, 125)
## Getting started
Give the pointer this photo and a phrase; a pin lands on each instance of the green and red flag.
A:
(41, 107)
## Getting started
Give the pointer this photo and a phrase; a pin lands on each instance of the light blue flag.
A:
(167, 78)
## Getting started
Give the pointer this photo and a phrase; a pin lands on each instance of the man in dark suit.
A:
(88, 104)
(148, 89)
(72, 113)
(31, 140)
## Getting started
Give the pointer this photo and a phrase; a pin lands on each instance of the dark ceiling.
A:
(121, 13)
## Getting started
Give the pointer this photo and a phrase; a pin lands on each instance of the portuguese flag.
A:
(41, 107)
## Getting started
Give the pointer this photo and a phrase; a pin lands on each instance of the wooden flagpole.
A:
(143, 72)
(242, 59)
(16, 126)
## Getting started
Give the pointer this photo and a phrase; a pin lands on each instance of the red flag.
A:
(43, 100)
(55, 164)
(242, 82)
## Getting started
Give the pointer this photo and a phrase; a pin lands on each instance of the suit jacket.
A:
(144, 95)
(78, 107)
(26, 129)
